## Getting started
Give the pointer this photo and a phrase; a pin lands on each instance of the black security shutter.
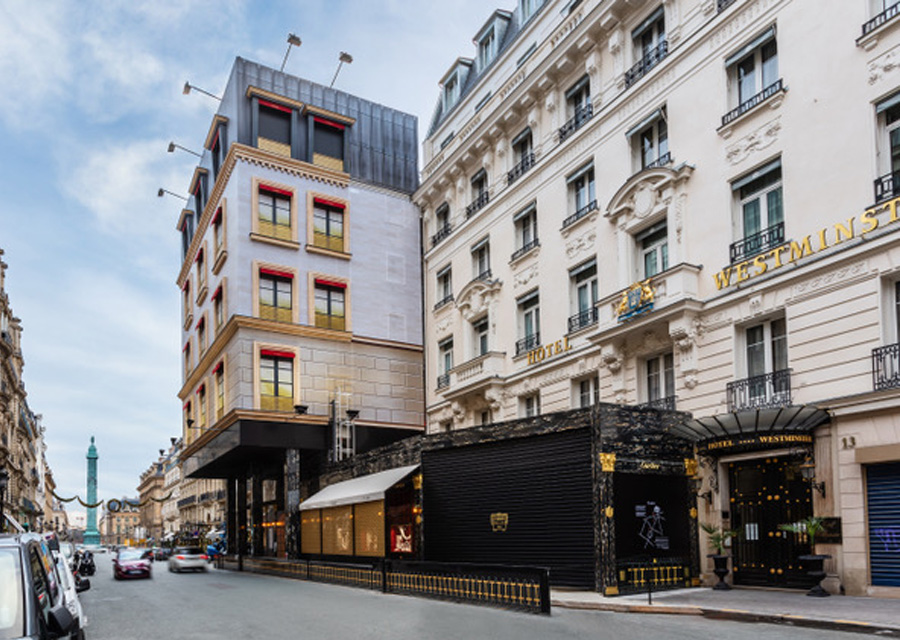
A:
(883, 494)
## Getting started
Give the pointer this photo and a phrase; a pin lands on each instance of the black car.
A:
(32, 602)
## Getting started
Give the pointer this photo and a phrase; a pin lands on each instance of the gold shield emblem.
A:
(499, 522)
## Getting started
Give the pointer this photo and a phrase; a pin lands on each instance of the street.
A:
(224, 604)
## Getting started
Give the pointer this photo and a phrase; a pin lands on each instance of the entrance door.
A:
(766, 493)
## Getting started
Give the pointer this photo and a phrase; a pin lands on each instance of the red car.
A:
(129, 563)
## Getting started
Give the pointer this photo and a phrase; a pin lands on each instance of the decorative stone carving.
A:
(753, 142)
(817, 285)
(883, 64)
(683, 332)
(492, 397)
(443, 326)
(476, 297)
(459, 411)
(584, 242)
(522, 278)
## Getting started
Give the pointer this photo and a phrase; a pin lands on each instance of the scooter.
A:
(87, 567)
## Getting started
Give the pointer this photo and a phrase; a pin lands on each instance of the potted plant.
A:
(718, 538)
(811, 526)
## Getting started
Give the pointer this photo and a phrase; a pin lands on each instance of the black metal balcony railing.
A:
(518, 253)
(442, 233)
(721, 5)
(768, 238)
(528, 343)
(519, 170)
(445, 300)
(184, 502)
(770, 390)
(661, 161)
(582, 114)
(667, 403)
(643, 66)
(206, 496)
(891, 12)
(578, 215)
(484, 275)
(220, 494)
(583, 319)
(745, 106)
(886, 367)
(477, 203)
(443, 381)
(887, 187)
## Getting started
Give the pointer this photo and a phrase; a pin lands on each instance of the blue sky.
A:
(92, 96)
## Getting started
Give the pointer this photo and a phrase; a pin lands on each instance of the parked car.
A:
(161, 553)
(71, 584)
(32, 604)
(191, 558)
(128, 563)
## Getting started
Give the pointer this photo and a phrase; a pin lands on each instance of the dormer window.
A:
(528, 8)
(328, 143)
(487, 48)
(274, 128)
(451, 91)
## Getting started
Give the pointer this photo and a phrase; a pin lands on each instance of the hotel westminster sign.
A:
(825, 238)
(755, 441)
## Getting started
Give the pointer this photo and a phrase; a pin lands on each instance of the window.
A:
(481, 260)
(328, 143)
(187, 415)
(480, 193)
(451, 91)
(654, 248)
(218, 230)
(526, 231)
(888, 111)
(219, 375)
(529, 322)
(578, 107)
(650, 46)
(274, 212)
(584, 294)
(661, 381)
(523, 155)
(187, 304)
(274, 128)
(218, 309)
(445, 359)
(480, 329)
(199, 192)
(330, 305)
(650, 141)
(328, 224)
(276, 295)
(201, 406)
(201, 334)
(768, 377)
(528, 7)
(531, 405)
(276, 380)
(588, 392)
(201, 274)
(217, 149)
(444, 292)
(442, 223)
(187, 232)
(760, 212)
(487, 48)
(753, 74)
(882, 11)
(582, 197)
(188, 361)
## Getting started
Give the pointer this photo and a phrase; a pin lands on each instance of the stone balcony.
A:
(475, 374)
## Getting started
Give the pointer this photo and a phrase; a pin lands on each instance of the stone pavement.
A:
(879, 616)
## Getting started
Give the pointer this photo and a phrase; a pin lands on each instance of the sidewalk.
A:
(862, 615)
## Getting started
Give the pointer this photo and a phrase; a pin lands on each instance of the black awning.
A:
(766, 428)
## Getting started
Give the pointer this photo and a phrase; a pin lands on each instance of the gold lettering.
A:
(742, 272)
(760, 263)
(566, 343)
(801, 249)
(823, 244)
(776, 253)
(531, 359)
(558, 346)
(892, 207)
(869, 221)
(840, 230)
(723, 278)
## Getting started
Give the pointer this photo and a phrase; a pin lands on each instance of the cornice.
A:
(274, 97)
(216, 121)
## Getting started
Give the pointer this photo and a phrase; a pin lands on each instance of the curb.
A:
(738, 615)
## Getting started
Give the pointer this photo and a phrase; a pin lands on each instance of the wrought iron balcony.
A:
(446, 300)
(768, 238)
(748, 104)
(578, 215)
(643, 66)
(721, 5)
(519, 170)
(184, 502)
(477, 203)
(887, 187)
(667, 403)
(881, 18)
(484, 275)
(518, 253)
(528, 343)
(886, 367)
(206, 496)
(443, 381)
(661, 161)
(768, 391)
(582, 114)
(583, 319)
(442, 233)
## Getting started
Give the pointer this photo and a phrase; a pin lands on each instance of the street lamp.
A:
(344, 57)
(293, 41)
(173, 146)
(163, 192)
(808, 471)
(4, 482)
(188, 86)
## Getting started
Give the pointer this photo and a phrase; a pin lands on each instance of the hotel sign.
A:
(756, 441)
(540, 354)
(825, 238)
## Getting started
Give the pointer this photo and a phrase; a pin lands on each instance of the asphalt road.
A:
(224, 605)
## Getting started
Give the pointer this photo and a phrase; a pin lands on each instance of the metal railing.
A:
(582, 114)
(886, 367)
(667, 403)
(445, 300)
(442, 233)
(484, 275)
(767, 391)
(888, 186)
(881, 18)
(528, 343)
(578, 215)
(443, 381)
(661, 161)
(768, 238)
(518, 253)
(482, 199)
(520, 169)
(748, 104)
(187, 501)
(639, 576)
(583, 319)
(643, 66)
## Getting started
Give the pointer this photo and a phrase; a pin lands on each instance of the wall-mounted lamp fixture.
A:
(162, 452)
(188, 86)
(293, 41)
(696, 485)
(808, 471)
(352, 413)
(162, 192)
(301, 409)
(173, 146)
(343, 58)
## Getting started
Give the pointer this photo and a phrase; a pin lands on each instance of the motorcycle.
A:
(86, 566)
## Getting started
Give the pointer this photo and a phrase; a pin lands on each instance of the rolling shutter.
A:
(883, 495)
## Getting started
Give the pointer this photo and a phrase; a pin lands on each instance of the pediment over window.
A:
(475, 298)
(646, 195)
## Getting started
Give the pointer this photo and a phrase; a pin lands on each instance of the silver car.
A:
(191, 558)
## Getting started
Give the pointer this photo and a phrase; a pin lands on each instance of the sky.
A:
(92, 97)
